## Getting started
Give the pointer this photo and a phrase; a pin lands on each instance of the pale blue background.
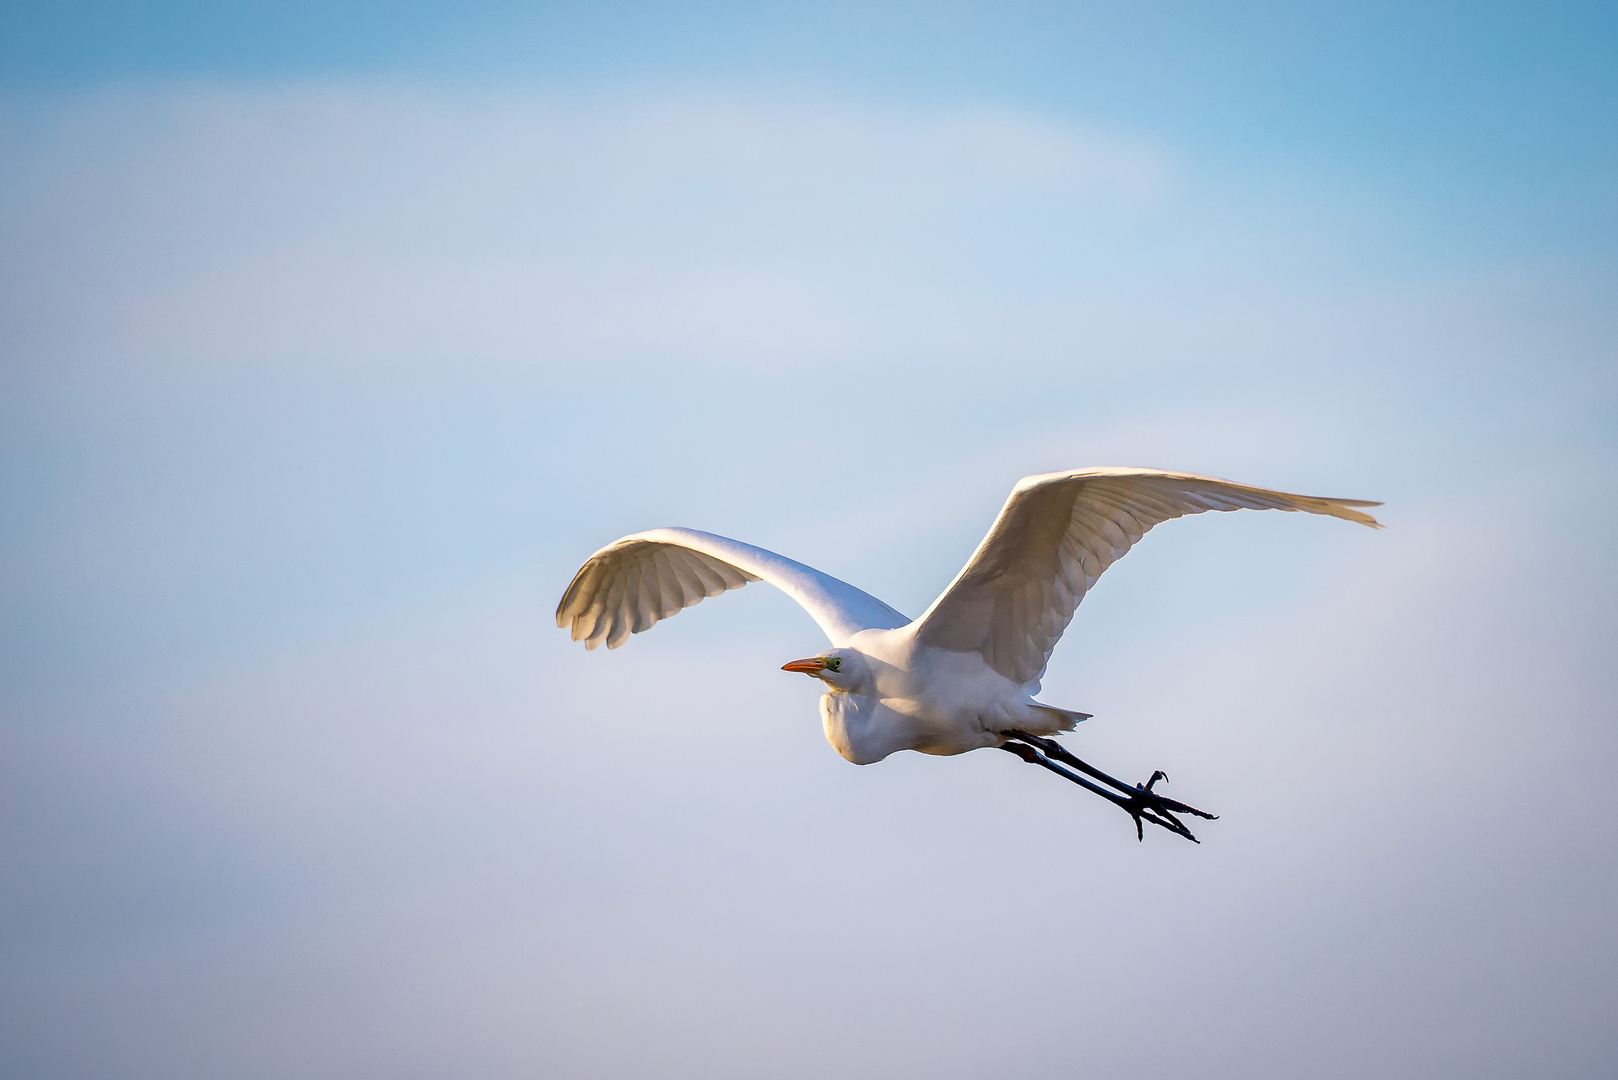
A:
(334, 336)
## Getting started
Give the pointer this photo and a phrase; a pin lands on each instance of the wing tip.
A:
(1344, 508)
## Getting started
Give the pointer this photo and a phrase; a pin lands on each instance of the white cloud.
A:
(352, 226)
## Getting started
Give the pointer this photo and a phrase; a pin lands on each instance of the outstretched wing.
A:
(1052, 540)
(630, 585)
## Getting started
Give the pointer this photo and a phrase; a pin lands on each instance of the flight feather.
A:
(634, 583)
(1057, 534)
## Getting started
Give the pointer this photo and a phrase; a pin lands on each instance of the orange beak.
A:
(812, 666)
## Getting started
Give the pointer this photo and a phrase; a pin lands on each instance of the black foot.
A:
(1139, 801)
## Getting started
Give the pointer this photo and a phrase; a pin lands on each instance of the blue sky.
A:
(1500, 89)
(334, 337)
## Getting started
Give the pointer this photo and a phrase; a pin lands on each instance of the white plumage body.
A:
(920, 697)
(963, 675)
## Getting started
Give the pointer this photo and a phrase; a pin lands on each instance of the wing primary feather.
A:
(674, 592)
(636, 582)
(643, 583)
(690, 584)
(611, 606)
(713, 583)
(1055, 537)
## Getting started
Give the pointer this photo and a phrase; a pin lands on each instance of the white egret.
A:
(962, 676)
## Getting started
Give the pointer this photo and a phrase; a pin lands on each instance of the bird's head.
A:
(839, 669)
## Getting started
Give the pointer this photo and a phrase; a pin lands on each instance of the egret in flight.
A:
(963, 676)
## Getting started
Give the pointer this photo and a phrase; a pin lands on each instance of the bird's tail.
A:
(1056, 719)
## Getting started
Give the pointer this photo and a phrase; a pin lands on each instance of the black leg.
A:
(1060, 753)
(1138, 800)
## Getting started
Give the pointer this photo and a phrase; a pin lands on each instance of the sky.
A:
(334, 337)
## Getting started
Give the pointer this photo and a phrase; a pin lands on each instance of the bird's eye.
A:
(835, 663)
